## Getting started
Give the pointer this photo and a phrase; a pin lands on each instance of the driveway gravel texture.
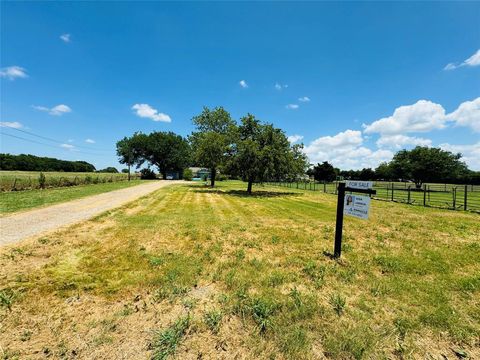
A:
(19, 226)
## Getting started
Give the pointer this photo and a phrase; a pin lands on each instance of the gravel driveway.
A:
(16, 227)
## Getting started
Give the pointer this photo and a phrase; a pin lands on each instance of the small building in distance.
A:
(200, 173)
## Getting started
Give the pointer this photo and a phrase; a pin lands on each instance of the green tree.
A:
(213, 138)
(167, 151)
(263, 152)
(131, 150)
(424, 164)
(383, 172)
(324, 172)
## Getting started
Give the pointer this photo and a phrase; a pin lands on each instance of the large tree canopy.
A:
(263, 152)
(424, 164)
(165, 150)
(324, 172)
(213, 138)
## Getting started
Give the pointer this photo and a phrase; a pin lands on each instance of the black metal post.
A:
(339, 224)
(465, 198)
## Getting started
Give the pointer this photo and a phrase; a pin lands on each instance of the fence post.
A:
(424, 195)
(465, 198)
(324, 186)
(392, 190)
(408, 201)
(14, 187)
(454, 194)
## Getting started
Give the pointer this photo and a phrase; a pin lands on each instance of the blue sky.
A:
(354, 82)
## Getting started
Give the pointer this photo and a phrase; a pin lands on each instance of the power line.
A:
(50, 139)
(53, 146)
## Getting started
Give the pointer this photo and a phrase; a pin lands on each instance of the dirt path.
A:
(17, 227)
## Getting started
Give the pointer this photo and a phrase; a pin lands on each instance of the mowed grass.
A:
(196, 273)
(25, 200)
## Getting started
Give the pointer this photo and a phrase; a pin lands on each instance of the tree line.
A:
(27, 162)
(420, 165)
(249, 149)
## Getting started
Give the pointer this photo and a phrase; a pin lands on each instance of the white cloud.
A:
(345, 150)
(399, 141)
(13, 72)
(243, 84)
(66, 37)
(11, 124)
(467, 114)
(473, 60)
(90, 141)
(280, 86)
(292, 106)
(471, 153)
(146, 111)
(67, 146)
(294, 138)
(422, 116)
(56, 110)
(304, 99)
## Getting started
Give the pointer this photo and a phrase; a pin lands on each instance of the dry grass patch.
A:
(201, 273)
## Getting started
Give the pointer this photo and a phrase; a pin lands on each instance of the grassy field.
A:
(215, 274)
(25, 200)
(449, 196)
(23, 180)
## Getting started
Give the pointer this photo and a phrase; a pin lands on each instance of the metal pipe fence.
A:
(446, 196)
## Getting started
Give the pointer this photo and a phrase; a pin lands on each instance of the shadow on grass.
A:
(244, 193)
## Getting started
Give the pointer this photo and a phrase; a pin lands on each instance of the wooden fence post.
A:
(454, 195)
(424, 195)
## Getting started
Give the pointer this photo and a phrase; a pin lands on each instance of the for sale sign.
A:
(354, 184)
(357, 206)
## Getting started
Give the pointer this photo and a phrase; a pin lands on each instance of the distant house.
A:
(200, 173)
(173, 175)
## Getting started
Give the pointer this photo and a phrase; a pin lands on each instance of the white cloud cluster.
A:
(11, 124)
(473, 60)
(399, 141)
(304, 99)
(56, 110)
(146, 111)
(243, 84)
(467, 114)
(470, 153)
(294, 138)
(66, 37)
(13, 72)
(67, 146)
(345, 150)
(422, 116)
(280, 86)
(90, 141)
(291, 106)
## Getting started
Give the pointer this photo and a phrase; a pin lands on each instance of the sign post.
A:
(352, 205)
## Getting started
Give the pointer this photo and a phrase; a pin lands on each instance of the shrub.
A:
(187, 175)
(42, 180)
(147, 174)
(221, 177)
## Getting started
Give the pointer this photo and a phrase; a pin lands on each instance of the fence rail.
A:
(31, 182)
(446, 196)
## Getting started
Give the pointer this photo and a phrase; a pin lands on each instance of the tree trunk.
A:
(212, 177)
(128, 171)
(249, 187)
(164, 175)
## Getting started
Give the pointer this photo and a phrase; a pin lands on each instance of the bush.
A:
(221, 177)
(42, 181)
(147, 174)
(187, 174)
